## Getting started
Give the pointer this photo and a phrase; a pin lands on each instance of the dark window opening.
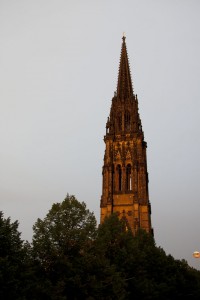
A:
(119, 179)
(128, 178)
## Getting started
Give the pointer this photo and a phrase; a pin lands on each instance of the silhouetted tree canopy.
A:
(12, 260)
(71, 258)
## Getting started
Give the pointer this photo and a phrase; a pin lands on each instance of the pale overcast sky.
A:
(58, 72)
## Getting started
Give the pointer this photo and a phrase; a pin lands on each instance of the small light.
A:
(196, 254)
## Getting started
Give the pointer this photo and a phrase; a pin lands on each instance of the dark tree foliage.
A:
(64, 249)
(66, 230)
(12, 260)
(147, 271)
(70, 258)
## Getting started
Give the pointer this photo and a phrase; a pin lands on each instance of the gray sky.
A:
(58, 71)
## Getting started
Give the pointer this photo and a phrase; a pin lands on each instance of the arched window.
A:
(127, 119)
(119, 178)
(128, 178)
(119, 121)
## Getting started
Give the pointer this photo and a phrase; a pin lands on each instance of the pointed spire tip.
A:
(124, 85)
(124, 37)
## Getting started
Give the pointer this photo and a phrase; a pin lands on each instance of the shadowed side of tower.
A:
(125, 177)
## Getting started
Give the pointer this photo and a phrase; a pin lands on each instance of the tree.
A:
(69, 260)
(59, 243)
(12, 260)
(114, 239)
(148, 273)
(67, 229)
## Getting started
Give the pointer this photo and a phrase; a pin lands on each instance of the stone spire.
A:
(124, 86)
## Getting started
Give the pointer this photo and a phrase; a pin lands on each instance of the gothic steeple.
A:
(124, 115)
(125, 176)
(124, 86)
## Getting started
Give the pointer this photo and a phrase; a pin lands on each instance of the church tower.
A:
(125, 176)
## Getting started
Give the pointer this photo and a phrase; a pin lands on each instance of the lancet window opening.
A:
(119, 178)
(128, 178)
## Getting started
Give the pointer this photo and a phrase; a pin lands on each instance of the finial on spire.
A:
(124, 37)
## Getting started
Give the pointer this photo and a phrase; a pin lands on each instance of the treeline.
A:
(70, 258)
